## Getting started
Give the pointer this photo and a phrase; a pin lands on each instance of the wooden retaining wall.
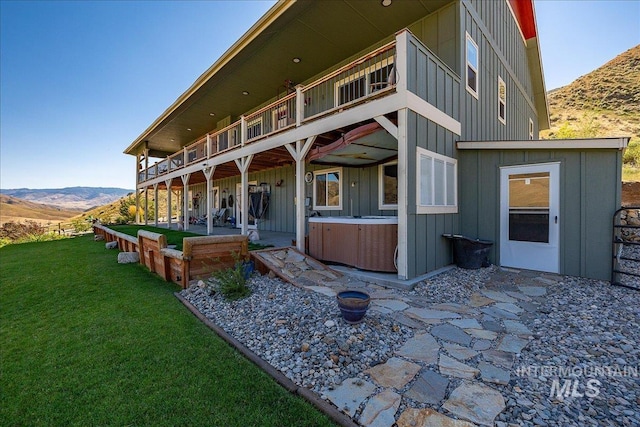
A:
(200, 257)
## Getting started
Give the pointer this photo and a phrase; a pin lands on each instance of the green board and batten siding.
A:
(428, 249)
(502, 52)
(590, 192)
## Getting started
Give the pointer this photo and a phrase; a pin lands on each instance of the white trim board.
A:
(545, 144)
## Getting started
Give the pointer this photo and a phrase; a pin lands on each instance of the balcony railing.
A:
(372, 75)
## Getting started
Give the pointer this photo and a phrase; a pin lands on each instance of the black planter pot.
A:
(353, 305)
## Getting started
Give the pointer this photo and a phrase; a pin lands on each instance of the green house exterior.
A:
(457, 93)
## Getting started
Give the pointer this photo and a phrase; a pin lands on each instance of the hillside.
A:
(605, 102)
(14, 209)
(70, 197)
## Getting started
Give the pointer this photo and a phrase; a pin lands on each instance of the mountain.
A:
(605, 102)
(14, 209)
(70, 197)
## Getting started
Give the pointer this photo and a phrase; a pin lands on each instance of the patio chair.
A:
(219, 217)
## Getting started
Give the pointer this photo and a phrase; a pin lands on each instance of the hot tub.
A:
(367, 242)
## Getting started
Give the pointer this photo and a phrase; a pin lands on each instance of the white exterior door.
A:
(239, 217)
(530, 217)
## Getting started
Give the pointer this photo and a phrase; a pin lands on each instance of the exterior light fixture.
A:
(189, 129)
(244, 92)
(296, 60)
(212, 114)
(386, 3)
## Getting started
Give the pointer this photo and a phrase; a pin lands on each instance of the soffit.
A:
(321, 33)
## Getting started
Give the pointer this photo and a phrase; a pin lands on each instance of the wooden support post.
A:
(299, 153)
(208, 173)
(185, 201)
(146, 205)
(243, 165)
(403, 195)
(155, 204)
(168, 184)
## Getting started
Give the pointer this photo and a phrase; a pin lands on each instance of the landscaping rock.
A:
(111, 245)
(475, 402)
(128, 257)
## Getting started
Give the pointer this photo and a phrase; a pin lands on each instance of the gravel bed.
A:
(301, 333)
(586, 327)
(591, 330)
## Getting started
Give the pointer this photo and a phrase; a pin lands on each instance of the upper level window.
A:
(472, 66)
(388, 186)
(502, 101)
(437, 183)
(530, 129)
(365, 81)
(327, 189)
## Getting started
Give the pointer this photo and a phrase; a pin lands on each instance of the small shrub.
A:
(80, 225)
(632, 154)
(15, 230)
(232, 282)
(30, 231)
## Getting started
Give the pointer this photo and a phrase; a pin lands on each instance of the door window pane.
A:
(529, 207)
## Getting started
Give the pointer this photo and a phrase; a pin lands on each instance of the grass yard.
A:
(86, 341)
(174, 237)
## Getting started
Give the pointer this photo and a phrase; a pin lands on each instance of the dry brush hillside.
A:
(15, 209)
(609, 95)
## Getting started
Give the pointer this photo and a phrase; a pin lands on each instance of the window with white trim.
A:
(327, 189)
(502, 101)
(530, 129)
(388, 186)
(364, 82)
(472, 66)
(437, 183)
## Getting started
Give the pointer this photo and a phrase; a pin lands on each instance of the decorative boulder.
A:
(98, 237)
(128, 257)
(111, 245)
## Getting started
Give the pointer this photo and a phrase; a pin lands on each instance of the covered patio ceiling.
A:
(320, 34)
(379, 145)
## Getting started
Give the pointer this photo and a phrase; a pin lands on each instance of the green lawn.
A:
(86, 341)
(174, 237)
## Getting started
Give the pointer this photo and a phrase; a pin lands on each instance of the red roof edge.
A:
(523, 9)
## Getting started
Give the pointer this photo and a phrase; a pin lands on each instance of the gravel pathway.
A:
(547, 349)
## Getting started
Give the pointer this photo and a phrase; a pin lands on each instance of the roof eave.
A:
(264, 22)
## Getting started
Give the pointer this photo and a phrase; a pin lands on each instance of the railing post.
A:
(146, 164)
(209, 146)
(299, 105)
(401, 60)
(243, 130)
(185, 157)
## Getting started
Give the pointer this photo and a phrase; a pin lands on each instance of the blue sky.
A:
(79, 81)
